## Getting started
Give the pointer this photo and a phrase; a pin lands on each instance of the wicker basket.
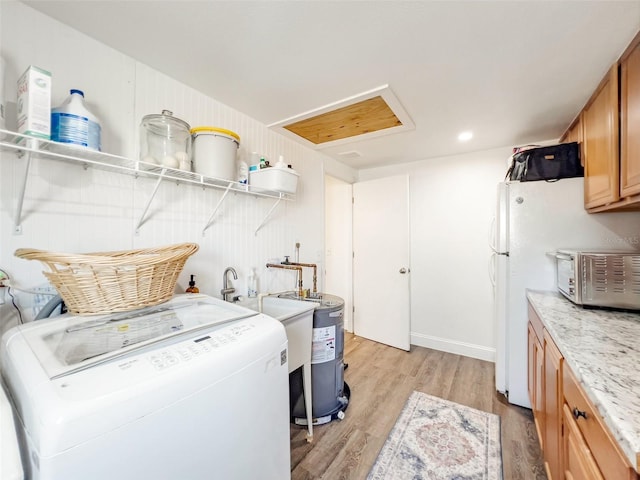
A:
(109, 282)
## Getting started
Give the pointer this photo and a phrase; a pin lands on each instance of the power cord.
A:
(13, 302)
(5, 281)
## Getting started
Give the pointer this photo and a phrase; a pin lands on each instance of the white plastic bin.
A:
(274, 178)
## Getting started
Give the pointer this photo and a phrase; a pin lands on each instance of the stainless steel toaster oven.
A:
(600, 278)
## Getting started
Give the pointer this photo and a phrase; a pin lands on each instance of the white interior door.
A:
(381, 260)
(338, 277)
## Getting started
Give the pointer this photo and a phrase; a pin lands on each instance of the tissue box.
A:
(274, 178)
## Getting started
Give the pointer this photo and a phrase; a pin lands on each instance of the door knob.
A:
(403, 270)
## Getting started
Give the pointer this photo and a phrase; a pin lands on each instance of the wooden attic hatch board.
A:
(367, 116)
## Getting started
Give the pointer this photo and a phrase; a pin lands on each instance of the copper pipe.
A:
(290, 267)
(315, 272)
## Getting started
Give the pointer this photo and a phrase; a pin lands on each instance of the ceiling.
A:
(513, 72)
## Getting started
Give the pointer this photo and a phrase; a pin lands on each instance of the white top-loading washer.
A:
(10, 462)
(193, 388)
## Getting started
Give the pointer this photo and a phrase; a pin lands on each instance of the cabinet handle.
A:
(579, 413)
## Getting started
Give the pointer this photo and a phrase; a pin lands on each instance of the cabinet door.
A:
(535, 381)
(578, 461)
(630, 121)
(538, 404)
(600, 144)
(531, 363)
(553, 400)
(603, 448)
(574, 134)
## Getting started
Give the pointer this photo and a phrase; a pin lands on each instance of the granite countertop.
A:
(602, 348)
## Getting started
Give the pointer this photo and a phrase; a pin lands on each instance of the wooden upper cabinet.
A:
(630, 120)
(600, 128)
(574, 134)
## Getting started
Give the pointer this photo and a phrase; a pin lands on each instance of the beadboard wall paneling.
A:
(70, 209)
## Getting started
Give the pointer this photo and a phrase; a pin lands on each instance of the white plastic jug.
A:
(72, 123)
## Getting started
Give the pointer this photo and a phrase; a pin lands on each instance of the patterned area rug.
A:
(440, 440)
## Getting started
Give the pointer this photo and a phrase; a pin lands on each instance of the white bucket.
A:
(214, 152)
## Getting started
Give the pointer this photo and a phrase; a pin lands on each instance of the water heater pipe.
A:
(315, 272)
(291, 267)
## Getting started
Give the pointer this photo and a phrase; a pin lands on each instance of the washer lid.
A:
(67, 344)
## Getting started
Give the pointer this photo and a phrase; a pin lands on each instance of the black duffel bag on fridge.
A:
(546, 163)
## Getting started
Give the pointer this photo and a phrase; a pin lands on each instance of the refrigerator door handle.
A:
(492, 268)
(492, 235)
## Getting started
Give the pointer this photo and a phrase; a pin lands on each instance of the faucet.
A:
(226, 290)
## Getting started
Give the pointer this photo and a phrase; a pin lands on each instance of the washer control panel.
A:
(190, 349)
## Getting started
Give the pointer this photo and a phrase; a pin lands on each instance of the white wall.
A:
(69, 209)
(452, 202)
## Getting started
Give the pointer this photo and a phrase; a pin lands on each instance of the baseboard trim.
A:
(451, 346)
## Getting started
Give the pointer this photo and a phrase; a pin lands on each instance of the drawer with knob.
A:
(597, 437)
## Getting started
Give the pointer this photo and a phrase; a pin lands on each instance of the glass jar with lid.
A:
(165, 140)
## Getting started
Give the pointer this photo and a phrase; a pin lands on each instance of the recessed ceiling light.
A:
(465, 136)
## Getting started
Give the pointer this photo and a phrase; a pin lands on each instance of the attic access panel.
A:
(371, 114)
(363, 117)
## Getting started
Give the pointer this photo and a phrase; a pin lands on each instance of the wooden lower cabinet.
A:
(578, 461)
(611, 463)
(576, 444)
(553, 400)
(536, 370)
(536, 375)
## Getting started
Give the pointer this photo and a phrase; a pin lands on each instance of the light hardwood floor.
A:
(381, 379)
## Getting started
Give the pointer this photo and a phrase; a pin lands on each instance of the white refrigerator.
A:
(533, 220)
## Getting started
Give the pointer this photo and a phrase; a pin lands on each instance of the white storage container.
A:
(275, 178)
(165, 140)
(214, 152)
